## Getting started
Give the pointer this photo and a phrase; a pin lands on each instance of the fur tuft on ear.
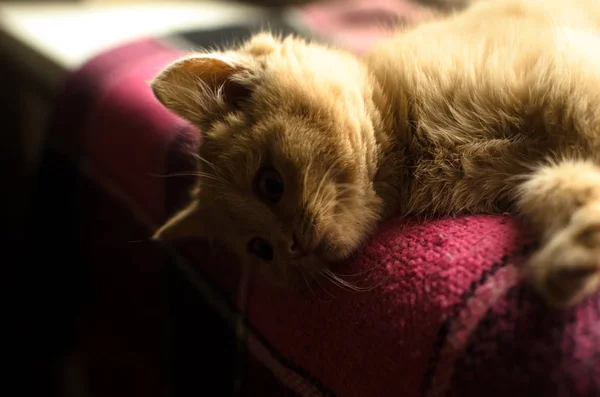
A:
(262, 44)
(201, 88)
(186, 223)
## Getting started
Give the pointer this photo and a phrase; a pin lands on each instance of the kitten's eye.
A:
(261, 248)
(269, 185)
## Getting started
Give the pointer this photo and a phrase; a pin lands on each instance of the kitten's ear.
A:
(186, 223)
(201, 88)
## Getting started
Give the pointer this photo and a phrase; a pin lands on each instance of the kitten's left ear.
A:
(186, 223)
(202, 88)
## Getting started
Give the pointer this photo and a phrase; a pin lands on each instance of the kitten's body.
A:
(472, 113)
(489, 94)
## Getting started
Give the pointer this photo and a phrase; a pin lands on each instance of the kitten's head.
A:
(288, 153)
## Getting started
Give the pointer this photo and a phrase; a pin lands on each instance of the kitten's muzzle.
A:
(287, 248)
(290, 245)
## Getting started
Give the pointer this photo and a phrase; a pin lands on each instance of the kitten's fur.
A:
(494, 108)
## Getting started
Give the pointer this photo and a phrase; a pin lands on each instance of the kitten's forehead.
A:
(302, 150)
(302, 108)
(312, 153)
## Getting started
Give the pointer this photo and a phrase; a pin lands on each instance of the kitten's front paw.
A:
(566, 269)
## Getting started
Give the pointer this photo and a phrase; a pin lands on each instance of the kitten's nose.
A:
(290, 246)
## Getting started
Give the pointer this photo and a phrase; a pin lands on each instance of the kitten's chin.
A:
(309, 265)
(295, 275)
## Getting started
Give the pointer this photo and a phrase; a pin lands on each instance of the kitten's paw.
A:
(566, 269)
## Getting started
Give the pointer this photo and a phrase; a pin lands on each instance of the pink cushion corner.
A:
(446, 315)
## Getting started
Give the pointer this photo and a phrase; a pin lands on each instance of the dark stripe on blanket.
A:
(285, 362)
(528, 319)
(442, 335)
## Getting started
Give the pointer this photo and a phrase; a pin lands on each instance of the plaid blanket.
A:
(444, 311)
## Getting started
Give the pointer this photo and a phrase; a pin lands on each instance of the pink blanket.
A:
(445, 313)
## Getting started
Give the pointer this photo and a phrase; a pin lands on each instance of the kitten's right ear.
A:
(201, 88)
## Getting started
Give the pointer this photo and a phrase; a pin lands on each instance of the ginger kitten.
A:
(306, 148)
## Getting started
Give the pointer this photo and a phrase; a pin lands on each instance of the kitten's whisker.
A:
(359, 273)
(170, 175)
(321, 286)
(309, 220)
(205, 178)
(305, 182)
(340, 282)
(322, 214)
(139, 241)
(328, 205)
(317, 194)
(325, 212)
(311, 201)
(344, 284)
(196, 174)
(311, 290)
(323, 179)
(215, 169)
(307, 283)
